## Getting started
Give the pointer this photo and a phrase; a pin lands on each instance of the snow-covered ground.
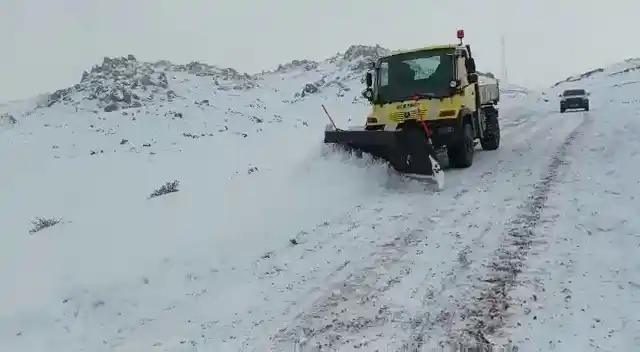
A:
(270, 243)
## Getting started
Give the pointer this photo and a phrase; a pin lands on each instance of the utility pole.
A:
(504, 60)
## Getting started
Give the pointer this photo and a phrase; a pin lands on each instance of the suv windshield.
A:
(424, 73)
(568, 93)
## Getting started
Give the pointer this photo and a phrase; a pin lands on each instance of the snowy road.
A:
(534, 244)
(414, 290)
(581, 290)
(517, 248)
(404, 270)
(400, 271)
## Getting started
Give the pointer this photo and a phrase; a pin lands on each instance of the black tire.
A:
(586, 108)
(461, 154)
(491, 140)
(562, 110)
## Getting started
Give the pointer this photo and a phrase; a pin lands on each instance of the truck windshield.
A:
(424, 73)
(568, 93)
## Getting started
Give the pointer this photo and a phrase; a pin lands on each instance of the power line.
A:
(504, 59)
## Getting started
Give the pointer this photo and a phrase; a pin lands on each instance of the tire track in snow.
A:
(356, 305)
(298, 288)
(350, 306)
(488, 315)
(333, 316)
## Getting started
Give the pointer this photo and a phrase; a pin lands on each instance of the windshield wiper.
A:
(419, 95)
(427, 95)
(424, 95)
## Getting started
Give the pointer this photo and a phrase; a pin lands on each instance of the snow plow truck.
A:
(425, 102)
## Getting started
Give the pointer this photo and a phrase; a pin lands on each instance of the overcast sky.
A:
(46, 44)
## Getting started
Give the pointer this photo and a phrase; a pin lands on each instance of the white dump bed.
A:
(489, 89)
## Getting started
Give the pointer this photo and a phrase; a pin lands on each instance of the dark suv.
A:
(574, 99)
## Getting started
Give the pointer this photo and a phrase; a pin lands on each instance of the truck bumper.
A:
(574, 104)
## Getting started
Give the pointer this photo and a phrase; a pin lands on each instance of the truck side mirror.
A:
(472, 78)
(369, 79)
(470, 64)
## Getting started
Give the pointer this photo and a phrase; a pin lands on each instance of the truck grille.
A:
(573, 101)
(407, 115)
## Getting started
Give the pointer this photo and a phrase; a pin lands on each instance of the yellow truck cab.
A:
(437, 85)
(424, 102)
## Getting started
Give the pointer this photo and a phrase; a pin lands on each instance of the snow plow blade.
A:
(408, 151)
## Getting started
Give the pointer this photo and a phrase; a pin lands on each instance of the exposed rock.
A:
(351, 65)
(124, 82)
(7, 119)
(305, 64)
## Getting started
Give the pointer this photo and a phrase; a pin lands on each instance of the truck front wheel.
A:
(491, 135)
(461, 154)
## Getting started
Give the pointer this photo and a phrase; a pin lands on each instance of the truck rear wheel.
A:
(491, 140)
(461, 154)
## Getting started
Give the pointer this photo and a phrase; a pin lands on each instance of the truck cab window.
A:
(424, 72)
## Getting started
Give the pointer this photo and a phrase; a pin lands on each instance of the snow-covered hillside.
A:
(266, 242)
(615, 85)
